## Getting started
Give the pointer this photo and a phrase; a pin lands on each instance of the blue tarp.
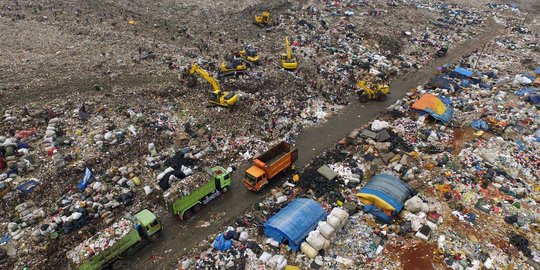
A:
(438, 107)
(379, 214)
(87, 177)
(388, 188)
(480, 124)
(221, 244)
(294, 222)
(464, 72)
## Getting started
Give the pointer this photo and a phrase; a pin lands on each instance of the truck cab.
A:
(255, 178)
(148, 225)
(269, 164)
(221, 177)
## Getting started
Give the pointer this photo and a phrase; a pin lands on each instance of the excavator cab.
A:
(263, 20)
(224, 99)
(217, 97)
(236, 66)
(370, 91)
(288, 61)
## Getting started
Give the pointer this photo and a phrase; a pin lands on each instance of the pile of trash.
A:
(100, 241)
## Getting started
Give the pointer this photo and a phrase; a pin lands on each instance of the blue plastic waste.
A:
(28, 186)
(534, 99)
(472, 218)
(526, 91)
(5, 239)
(521, 145)
(221, 244)
(379, 215)
(480, 124)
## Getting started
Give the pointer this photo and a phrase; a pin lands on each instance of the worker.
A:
(293, 167)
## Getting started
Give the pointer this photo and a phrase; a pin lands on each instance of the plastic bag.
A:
(221, 244)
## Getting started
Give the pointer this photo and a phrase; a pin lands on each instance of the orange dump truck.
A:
(269, 164)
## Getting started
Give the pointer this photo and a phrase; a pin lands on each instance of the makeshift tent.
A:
(294, 222)
(385, 192)
(435, 106)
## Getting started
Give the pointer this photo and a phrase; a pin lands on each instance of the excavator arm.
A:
(205, 75)
(288, 46)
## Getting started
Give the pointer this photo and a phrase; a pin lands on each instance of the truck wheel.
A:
(224, 190)
(154, 237)
(117, 264)
(187, 215)
(197, 208)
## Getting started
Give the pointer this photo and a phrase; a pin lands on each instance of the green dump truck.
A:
(107, 248)
(186, 203)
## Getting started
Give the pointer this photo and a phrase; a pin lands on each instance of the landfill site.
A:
(250, 134)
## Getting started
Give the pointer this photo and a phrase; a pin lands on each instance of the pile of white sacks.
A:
(322, 236)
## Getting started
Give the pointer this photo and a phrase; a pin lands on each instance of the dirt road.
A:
(179, 237)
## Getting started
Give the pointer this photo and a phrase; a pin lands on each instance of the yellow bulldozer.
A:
(218, 97)
(288, 60)
(263, 20)
(235, 66)
(249, 54)
(372, 91)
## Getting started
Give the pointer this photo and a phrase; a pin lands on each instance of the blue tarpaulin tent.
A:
(384, 196)
(294, 222)
(464, 72)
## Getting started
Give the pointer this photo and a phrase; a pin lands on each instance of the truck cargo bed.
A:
(276, 158)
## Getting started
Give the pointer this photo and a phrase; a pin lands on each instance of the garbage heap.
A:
(466, 143)
(100, 241)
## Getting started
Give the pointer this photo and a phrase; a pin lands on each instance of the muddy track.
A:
(179, 237)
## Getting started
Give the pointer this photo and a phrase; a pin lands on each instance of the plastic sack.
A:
(265, 257)
(275, 261)
(316, 240)
(377, 125)
(147, 190)
(326, 229)
(221, 244)
(308, 250)
(282, 265)
(334, 221)
(341, 214)
(243, 236)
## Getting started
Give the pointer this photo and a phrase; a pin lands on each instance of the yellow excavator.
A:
(263, 20)
(249, 54)
(224, 99)
(288, 61)
(371, 91)
(236, 66)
